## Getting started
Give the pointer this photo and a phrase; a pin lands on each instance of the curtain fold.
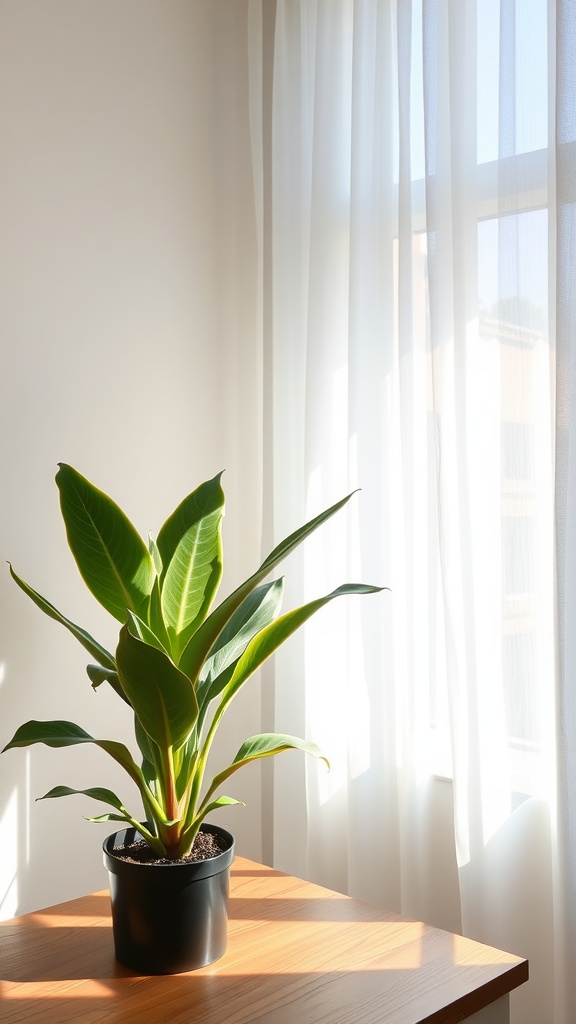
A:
(418, 239)
(564, 285)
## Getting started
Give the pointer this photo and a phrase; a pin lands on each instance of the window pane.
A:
(513, 272)
(512, 74)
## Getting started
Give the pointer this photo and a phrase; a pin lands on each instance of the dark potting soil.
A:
(206, 845)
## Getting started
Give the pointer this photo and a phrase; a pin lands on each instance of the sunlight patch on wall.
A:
(9, 859)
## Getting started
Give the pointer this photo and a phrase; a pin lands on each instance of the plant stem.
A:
(171, 834)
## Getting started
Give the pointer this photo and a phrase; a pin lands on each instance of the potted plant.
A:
(179, 662)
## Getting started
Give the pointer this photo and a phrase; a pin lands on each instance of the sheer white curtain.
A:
(419, 307)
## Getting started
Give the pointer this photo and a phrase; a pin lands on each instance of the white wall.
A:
(128, 349)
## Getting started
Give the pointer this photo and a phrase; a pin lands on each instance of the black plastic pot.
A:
(168, 918)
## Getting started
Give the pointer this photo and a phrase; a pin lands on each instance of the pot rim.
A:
(196, 869)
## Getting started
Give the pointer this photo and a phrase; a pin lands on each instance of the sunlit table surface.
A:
(297, 954)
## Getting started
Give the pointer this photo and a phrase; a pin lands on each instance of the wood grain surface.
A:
(297, 954)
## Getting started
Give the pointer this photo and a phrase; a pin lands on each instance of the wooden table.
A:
(297, 954)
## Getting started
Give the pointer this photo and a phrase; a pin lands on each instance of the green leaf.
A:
(207, 498)
(190, 547)
(290, 543)
(272, 636)
(259, 609)
(96, 793)
(148, 767)
(155, 618)
(222, 801)
(162, 697)
(156, 557)
(67, 734)
(256, 611)
(268, 743)
(142, 631)
(193, 828)
(201, 642)
(143, 741)
(184, 763)
(112, 558)
(106, 796)
(264, 745)
(94, 649)
(98, 675)
(106, 817)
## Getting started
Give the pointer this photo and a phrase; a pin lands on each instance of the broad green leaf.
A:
(201, 642)
(268, 743)
(222, 801)
(272, 636)
(94, 649)
(106, 796)
(143, 741)
(98, 675)
(162, 697)
(142, 631)
(259, 609)
(256, 611)
(263, 745)
(155, 617)
(148, 768)
(209, 689)
(285, 547)
(156, 557)
(151, 776)
(190, 547)
(67, 734)
(184, 764)
(112, 558)
(154, 843)
(193, 828)
(207, 498)
(107, 817)
(96, 793)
